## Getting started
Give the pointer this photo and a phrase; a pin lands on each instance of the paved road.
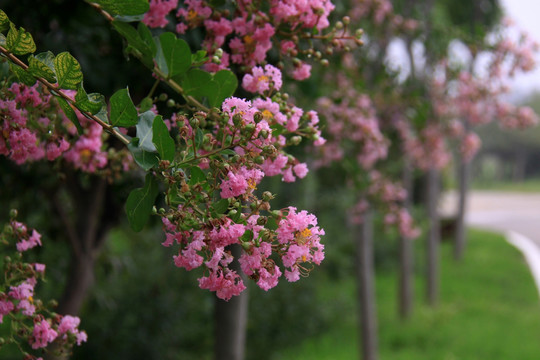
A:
(505, 211)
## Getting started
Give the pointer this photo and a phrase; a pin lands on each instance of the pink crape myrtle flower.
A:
(261, 80)
(29, 243)
(6, 306)
(42, 335)
(302, 72)
(157, 15)
(240, 182)
(225, 285)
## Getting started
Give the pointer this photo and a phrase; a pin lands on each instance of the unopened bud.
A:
(346, 20)
(295, 140)
(339, 25)
(216, 60)
(267, 196)
(163, 97)
(359, 33)
(171, 103)
(13, 213)
(259, 160)
(324, 62)
(219, 52)
(262, 221)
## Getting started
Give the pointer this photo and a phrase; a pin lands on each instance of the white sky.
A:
(526, 14)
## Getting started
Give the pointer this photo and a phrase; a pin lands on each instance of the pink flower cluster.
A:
(24, 127)
(353, 129)
(247, 32)
(27, 134)
(20, 282)
(157, 15)
(296, 241)
(262, 80)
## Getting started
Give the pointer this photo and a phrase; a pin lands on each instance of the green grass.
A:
(489, 309)
(531, 185)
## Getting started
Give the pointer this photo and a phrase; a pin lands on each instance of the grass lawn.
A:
(489, 309)
(531, 185)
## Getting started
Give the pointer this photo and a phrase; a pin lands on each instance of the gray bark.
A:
(406, 253)
(434, 238)
(231, 321)
(366, 290)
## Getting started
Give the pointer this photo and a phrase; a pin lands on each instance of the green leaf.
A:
(42, 65)
(68, 71)
(142, 50)
(162, 139)
(221, 206)
(123, 112)
(146, 36)
(146, 104)
(124, 7)
(197, 175)
(19, 42)
(4, 21)
(70, 113)
(145, 159)
(198, 138)
(248, 236)
(22, 75)
(92, 103)
(176, 53)
(201, 84)
(2, 40)
(140, 202)
(199, 57)
(144, 131)
(227, 86)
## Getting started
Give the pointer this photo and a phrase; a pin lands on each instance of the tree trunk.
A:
(366, 289)
(434, 238)
(463, 188)
(406, 253)
(231, 320)
(79, 282)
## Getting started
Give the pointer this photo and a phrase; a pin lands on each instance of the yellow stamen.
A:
(252, 185)
(85, 155)
(267, 114)
(31, 299)
(192, 14)
(263, 78)
(304, 258)
(303, 236)
(249, 40)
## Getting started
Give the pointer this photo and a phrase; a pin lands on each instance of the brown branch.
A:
(108, 127)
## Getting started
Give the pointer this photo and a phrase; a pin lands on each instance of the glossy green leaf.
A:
(23, 76)
(146, 104)
(70, 114)
(197, 175)
(136, 44)
(248, 236)
(176, 53)
(42, 65)
(221, 206)
(140, 202)
(144, 131)
(162, 139)
(123, 7)
(68, 71)
(228, 83)
(145, 159)
(146, 36)
(92, 103)
(4, 21)
(123, 111)
(19, 42)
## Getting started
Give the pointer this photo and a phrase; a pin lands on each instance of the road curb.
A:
(530, 251)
